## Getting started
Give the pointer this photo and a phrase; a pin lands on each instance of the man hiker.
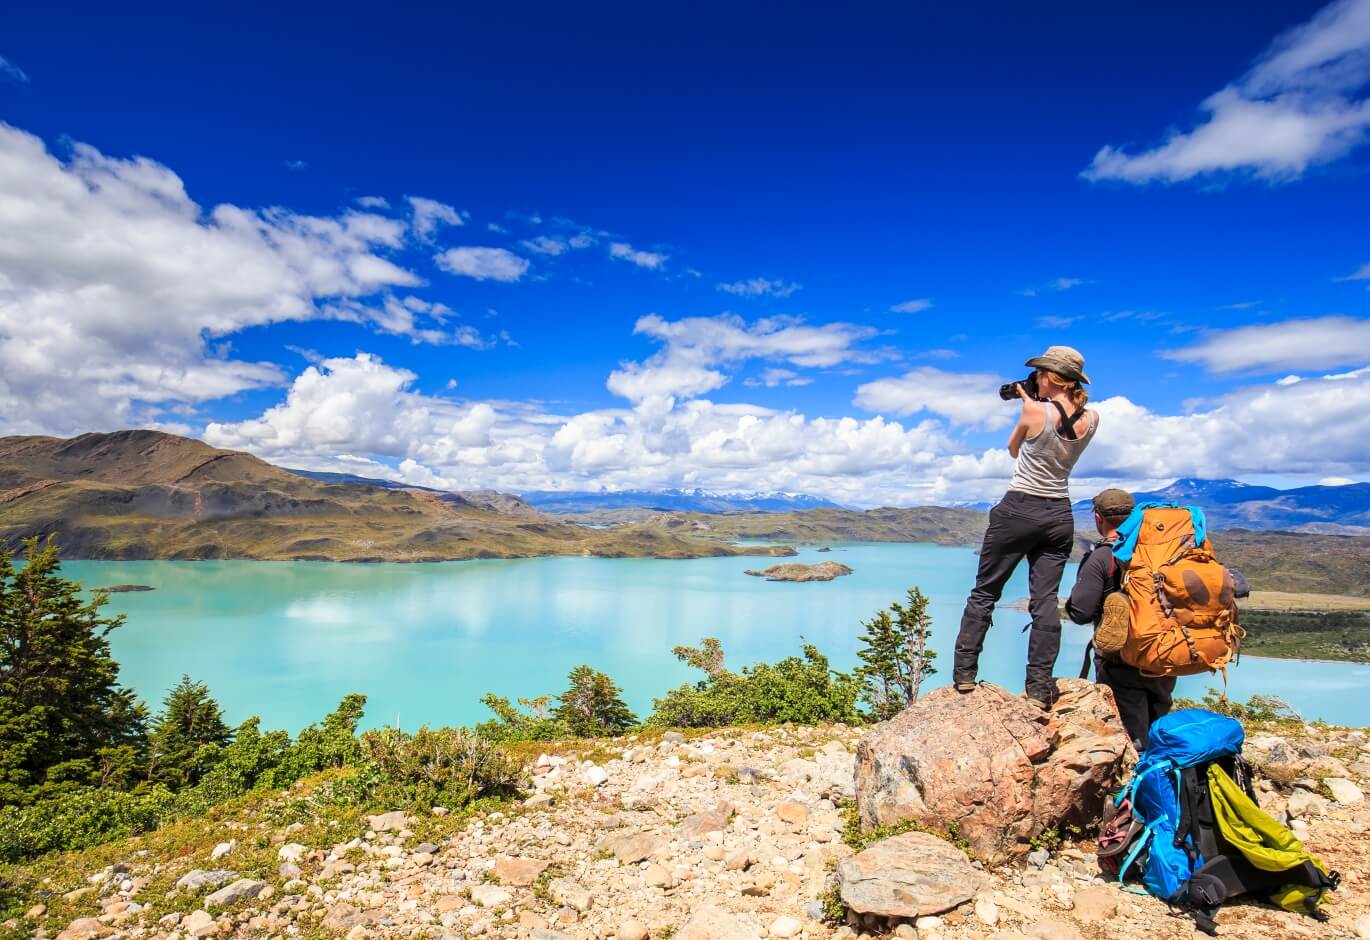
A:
(1141, 700)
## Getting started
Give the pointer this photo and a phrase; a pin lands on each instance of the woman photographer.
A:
(1033, 520)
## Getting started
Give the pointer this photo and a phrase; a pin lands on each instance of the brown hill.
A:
(147, 494)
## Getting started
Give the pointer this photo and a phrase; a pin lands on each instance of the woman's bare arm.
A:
(1025, 426)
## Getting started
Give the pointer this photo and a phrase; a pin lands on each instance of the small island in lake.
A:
(825, 571)
(126, 588)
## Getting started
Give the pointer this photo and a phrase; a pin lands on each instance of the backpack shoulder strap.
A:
(1068, 423)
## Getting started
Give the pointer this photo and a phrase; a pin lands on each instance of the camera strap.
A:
(1068, 424)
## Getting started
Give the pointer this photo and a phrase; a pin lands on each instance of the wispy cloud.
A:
(643, 259)
(1057, 284)
(545, 245)
(1361, 275)
(11, 72)
(912, 306)
(296, 166)
(483, 264)
(373, 202)
(429, 214)
(760, 287)
(1301, 103)
(1319, 343)
(1055, 323)
(772, 378)
(1245, 304)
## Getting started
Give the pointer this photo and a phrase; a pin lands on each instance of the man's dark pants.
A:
(1041, 530)
(1141, 700)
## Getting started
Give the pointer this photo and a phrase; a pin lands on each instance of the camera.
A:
(1009, 392)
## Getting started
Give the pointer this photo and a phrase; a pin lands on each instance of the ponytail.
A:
(1077, 393)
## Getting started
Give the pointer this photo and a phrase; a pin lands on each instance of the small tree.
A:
(895, 656)
(593, 707)
(187, 737)
(64, 719)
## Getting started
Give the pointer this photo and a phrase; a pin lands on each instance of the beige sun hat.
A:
(1063, 360)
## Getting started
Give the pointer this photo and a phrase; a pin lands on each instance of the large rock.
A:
(993, 767)
(911, 875)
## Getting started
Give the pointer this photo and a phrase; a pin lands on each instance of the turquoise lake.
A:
(286, 640)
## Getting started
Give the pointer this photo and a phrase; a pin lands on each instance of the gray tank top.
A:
(1045, 461)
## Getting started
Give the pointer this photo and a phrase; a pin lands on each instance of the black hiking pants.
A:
(1141, 699)
(1041, 530)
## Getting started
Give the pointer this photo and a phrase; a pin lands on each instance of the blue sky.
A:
(746, 247)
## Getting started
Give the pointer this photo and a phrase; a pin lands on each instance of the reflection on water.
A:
(287, 640)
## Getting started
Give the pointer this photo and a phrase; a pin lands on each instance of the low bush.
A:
(435, 767)
(804, 690)
(78, 820)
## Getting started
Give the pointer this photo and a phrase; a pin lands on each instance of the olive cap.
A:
(1114, 503)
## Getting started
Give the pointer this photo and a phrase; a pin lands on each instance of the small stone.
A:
(632, 930)
(928, 924)
(222, 849)
(198, 879)
(1344, 791)
(658, 877)
(1093, 905)
(987, 911)
(37, 911)
(570, 893)
(1363, 927)
(1306, 803)
(538, 801)
(388, 822)
(635, 848)
(244, 889)
(519, 872)
(542, 933)
(595, 776)
(490, 895)
(711, 923)
(785, 926)
(905, 932)
(795, 814)
(1054, 930)
(911, 875)
(1038, 858)
(712, 820)
(291, 852)
(199, 924)
(84, 928)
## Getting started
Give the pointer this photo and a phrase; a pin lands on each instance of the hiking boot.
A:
(1114, 623)
(964, 687)
(1044, 697)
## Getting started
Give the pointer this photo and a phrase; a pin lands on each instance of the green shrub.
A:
(511, 726)
(436, 767)
(802, 690)
(593, 707)
(1256, 708)
(78, 820)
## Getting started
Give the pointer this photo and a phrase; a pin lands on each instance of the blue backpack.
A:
(1179, 845)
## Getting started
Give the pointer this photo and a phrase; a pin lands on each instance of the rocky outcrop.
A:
(823, 571)
(993, 768)
(908, 876)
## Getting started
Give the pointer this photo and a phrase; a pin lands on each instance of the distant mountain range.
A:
(676, 500)
(147, 494)
(1230, 504)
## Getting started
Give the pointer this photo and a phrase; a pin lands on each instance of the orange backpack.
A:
(1184, 608)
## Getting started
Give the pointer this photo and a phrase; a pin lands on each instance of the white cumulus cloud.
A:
(117, 290)
(963, 398)
(483, 264)
(1302, 103)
